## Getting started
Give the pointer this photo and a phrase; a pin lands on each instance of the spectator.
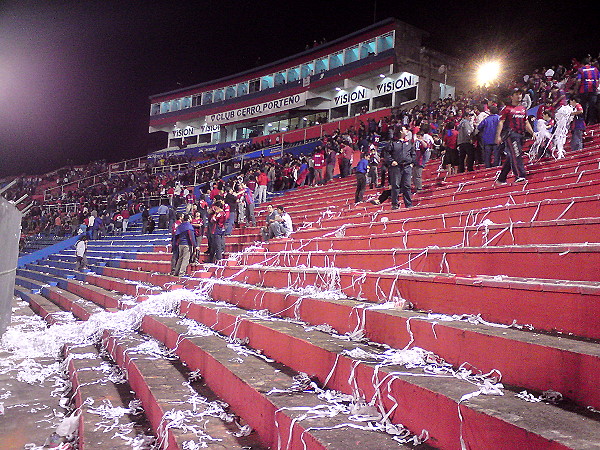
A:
(578, 124)
(285, 221)
(487, 129)
(261, 190)
(361, 178)
(511, 130)
(184, 240)
(450, 152)
(373, 159)
(145, 216)
(163, 215)
(216, 231)
(272, 226)
(401, 156)
(421, 158)
(588, 79)
(81, 253)
(465, 143)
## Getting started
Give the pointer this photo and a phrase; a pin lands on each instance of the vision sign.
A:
(357, 95)
(193, 131)
(404, 81)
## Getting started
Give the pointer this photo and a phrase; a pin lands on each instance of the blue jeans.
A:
(488, 151)
(577, 140)
(230, 222)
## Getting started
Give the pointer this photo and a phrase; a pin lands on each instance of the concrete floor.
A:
(31, 413)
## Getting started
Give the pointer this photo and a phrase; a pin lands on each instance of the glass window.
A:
(321, 65)
(155, 109)
(242, 89)
(367, 49)
(405, 96)
(271, 127)
(293, 74)
(336, 60)
(207, 98)
(279, 78)
(359, 108)
(196, 100)
(266, 82)
(190, 140)
(383, 101)
(254, 86)
(385, 42)
(176, 104)
(351, 54)
(340, 111)
(165, 107)
(307, 69)
(186, 102)
(219, 95)
(229, 92)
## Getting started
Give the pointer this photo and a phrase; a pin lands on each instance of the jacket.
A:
(403, 152)
(184, 235)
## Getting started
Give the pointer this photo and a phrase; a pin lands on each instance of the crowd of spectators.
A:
(451, 129)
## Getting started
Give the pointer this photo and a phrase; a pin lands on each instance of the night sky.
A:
(75, 76)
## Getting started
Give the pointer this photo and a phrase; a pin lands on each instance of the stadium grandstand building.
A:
(373, 70)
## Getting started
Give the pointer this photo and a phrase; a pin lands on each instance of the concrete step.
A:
(323, 439)
(521, 233)
(110, 415)
(246, 381)
(359, 223)
(179, 410)
(417, 401)
(92, 389)
(30, 389)
(530, 360)
(546, 305)
(558, 262)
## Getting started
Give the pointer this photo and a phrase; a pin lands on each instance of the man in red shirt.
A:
(261, 191)
(346, 162)
(319, 162)
(511, 130)
(588, 78)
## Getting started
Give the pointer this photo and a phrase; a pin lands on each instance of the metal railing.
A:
(153, 200)
(130, 165)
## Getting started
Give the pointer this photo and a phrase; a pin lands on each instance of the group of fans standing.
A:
(485, 128)
(488, 128)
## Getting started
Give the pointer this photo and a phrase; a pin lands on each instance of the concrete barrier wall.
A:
(10, 232)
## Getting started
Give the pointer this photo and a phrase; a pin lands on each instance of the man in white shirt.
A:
(80, 251)
(286, 221)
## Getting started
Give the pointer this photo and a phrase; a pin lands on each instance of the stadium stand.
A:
(465, 321)
(501, 340)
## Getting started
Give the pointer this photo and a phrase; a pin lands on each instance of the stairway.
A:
(466, 321)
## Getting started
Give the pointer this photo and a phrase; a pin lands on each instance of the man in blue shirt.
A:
(185, 240)
(361, 177)
(487, 128)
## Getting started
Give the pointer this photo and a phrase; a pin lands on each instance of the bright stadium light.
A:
(487, 72)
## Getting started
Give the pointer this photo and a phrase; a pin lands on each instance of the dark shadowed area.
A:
(75, 76)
